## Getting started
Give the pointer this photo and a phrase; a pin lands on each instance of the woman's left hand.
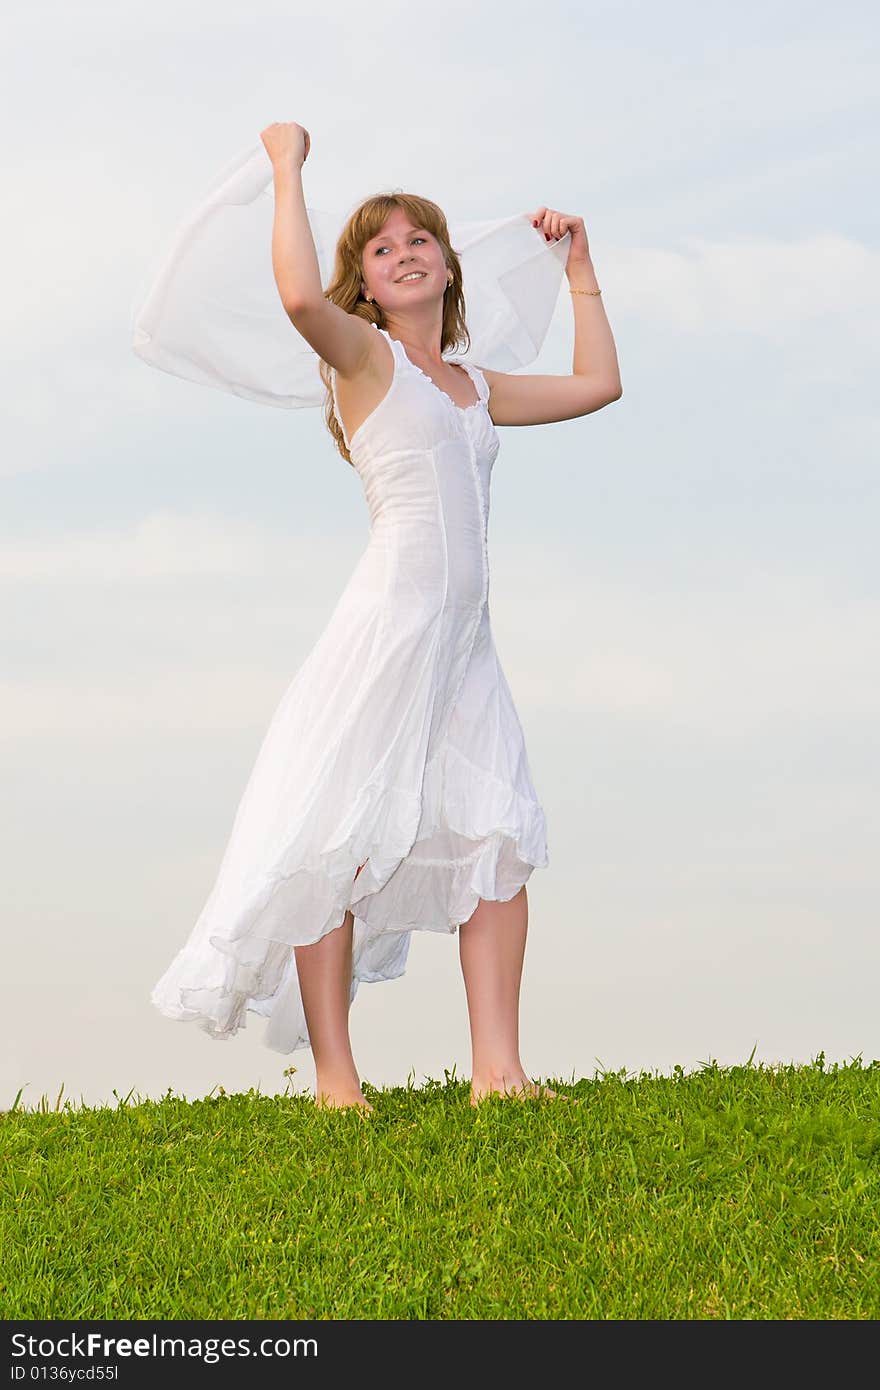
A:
(555, 224)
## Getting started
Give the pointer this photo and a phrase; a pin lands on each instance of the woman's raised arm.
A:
(294, 258)
(342, 339)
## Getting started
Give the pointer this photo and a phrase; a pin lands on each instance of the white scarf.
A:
(213, 314)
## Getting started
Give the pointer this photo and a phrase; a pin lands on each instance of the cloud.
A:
(726, 661)
(167, 546)
(723, 658)
(77, 704)
(773, 289)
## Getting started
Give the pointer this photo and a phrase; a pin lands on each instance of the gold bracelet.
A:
(584, 291)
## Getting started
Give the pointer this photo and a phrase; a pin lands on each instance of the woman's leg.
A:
(324, 970)
(492, 947)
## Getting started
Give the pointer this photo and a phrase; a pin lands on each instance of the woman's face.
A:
(398, 249)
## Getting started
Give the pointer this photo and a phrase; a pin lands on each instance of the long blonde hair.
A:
(344, 288)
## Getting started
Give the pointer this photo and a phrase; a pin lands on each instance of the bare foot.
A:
(343, 1100)
(520, 1088)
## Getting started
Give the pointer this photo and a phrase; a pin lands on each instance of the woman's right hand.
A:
(287, 144)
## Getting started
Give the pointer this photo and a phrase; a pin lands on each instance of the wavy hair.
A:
(344, 288)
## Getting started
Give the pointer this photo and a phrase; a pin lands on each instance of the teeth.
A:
(413, 275)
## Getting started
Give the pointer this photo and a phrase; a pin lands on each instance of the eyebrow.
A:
(385, 237)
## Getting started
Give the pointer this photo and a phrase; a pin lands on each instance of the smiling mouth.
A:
(412, 276)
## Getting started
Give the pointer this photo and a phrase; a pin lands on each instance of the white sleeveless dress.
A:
(396, 746)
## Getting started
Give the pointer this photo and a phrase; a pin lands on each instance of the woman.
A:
(392, 791)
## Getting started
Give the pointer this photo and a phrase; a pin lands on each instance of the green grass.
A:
(744, 1192)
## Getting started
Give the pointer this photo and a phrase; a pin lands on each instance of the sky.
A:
(685, 585)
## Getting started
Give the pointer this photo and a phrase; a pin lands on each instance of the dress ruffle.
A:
(428, 860)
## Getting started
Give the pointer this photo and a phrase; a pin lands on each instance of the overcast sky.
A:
(685, 585)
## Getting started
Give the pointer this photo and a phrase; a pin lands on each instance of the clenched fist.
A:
(286, 143)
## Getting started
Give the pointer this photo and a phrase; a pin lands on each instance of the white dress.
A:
(396, 746)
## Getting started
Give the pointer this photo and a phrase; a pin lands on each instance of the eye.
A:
(412, 239)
